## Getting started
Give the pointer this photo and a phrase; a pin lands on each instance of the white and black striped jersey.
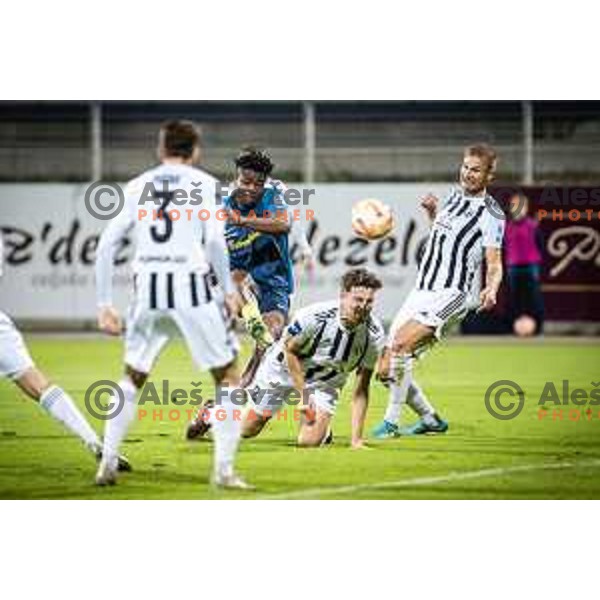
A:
(329, 351)
(463, 227)
(178, 249)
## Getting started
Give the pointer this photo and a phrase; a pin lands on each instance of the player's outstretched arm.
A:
(109, 320)
(488, 296)
(360, 403)
(291, 348)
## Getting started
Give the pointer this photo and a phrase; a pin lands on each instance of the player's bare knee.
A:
(308, 441)
(308, 437)
(137, 377)
(33, 382)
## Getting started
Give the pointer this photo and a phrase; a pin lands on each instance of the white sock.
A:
(60, 405)
(418, 402)
(116, 428)
(226, 432)
(401, 374)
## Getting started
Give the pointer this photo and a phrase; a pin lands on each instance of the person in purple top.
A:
(524, 244)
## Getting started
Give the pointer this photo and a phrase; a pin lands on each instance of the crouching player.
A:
(324, 343)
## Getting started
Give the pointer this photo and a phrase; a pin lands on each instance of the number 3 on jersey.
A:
(157, 235)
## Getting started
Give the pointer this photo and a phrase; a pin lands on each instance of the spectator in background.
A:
(523, 251)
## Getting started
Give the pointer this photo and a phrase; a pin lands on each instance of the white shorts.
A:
(439, 309)
(14, 356)
(205, 329)
(271, 387)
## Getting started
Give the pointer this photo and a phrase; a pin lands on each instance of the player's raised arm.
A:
(360, 403)
(109, 319)
(297, 230)
(430, 203)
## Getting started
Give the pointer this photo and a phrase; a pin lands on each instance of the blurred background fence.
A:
(539, 142)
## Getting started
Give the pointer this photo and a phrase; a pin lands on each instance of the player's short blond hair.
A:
(485, 152)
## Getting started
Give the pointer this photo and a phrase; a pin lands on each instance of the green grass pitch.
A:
(480, 457)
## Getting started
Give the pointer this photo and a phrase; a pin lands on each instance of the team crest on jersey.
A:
(295, 328)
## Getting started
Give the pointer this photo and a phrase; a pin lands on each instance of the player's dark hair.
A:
(484, 151)
(256, 160)
(360, 278)
(179, 138)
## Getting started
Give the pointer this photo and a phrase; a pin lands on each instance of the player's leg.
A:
(275, 321)
(58, 404)
(213, 345)
(117, 426)
(396, 367)
(422, 321)
(226, 428)
(429, 421)
(314, 434)
(259, 331)
(266, 402)
(147, 334)
(274, 305)
(17, 365)
(318, 432)
(419, 324)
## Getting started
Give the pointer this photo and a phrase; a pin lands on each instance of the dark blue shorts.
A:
(271, 298)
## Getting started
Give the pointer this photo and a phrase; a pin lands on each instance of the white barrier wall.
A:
(50, 241)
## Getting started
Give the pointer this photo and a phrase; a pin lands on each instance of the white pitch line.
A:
(425, 481)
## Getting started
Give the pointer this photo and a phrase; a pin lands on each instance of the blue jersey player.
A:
(257, 231)
(257, 238)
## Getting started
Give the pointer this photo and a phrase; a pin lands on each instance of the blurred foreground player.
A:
(467, 226)
(16, 364)
(181, 269)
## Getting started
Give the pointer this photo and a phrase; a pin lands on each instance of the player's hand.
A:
(487, 299)
(430, 204)
(109, 320)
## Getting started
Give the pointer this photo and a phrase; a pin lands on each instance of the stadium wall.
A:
(50, 240)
